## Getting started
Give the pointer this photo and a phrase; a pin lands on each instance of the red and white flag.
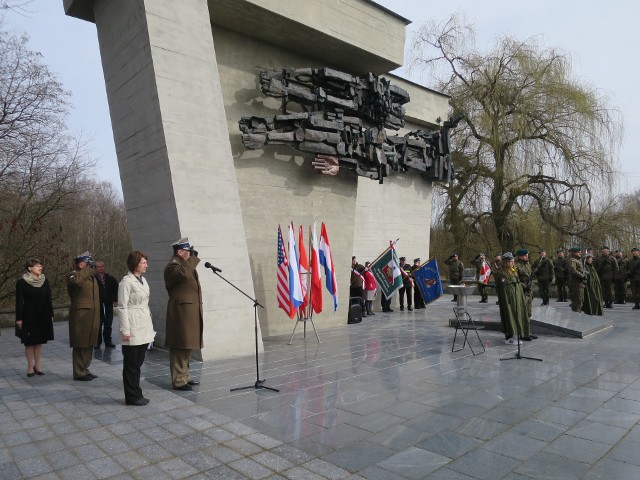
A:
(485, 272)
(304, 270)
(282, 280)
(316, 276)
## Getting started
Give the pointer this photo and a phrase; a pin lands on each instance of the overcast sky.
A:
(600, 37)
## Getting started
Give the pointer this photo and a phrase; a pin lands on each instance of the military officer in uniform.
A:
(607, 269)
(418, 302)
(524, 272)
(576, 279)
(407, 284)
(620, 280)
(561, 274)
(544, 272)
(184, 325)
(84, 315)
(633, 267)
(456, 267)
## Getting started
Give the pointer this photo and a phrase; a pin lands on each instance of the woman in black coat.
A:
(34, 314)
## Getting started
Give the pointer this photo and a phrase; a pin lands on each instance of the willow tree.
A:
(532, 137)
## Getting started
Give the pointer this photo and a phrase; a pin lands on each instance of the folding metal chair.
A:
(464, 322)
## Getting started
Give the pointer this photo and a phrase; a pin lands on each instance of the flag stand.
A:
(304, 321)
(308, 315)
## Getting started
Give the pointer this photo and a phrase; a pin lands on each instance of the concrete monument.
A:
(179, 76)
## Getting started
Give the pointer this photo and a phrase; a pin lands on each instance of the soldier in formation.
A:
(620, 280)
(560, 267)
(576, 279)
(544, 272)
(607, 269)
(633, 267)
(418, 301)
(456, 267)
(407, 284)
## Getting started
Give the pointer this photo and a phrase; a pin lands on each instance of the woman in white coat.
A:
(136, 327)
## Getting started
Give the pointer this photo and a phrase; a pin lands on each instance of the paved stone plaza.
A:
(384, 399)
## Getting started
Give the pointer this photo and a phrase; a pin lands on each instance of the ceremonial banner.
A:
(387, 273)
(485, 272)
(428, 281)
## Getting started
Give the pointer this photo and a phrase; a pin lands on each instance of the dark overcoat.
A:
(84, 312)
(35, 309)
(184, 324)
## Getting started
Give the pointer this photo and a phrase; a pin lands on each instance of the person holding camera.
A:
(84, 315)
(184, 322)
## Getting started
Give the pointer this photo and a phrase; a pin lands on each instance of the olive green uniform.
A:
(544, 271)
(620, 281)
(607, 269)
(513, 309)
(456, 267)
(524, 271)
(560, 268)
(592, 292)
(633, 267)
(576, 282)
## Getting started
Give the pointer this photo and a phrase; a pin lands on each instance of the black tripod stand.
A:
(259, 382)
(518, 356)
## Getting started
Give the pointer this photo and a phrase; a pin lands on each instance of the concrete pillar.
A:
(176, 165)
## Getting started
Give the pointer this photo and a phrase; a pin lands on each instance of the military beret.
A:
(402, 258)
(542, 250)
(560, 250)
(454, 254)
(618, 251)
(574, 249)
(635, 249)
(522, 251)
(507, 255)
(416, 259)
(182, 244)
(604, 247)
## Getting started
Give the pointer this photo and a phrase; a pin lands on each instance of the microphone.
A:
(215, 269)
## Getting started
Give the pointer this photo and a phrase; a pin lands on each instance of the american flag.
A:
(282, 283)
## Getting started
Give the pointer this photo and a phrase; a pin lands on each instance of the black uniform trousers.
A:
(132, 360)
(106, 323)
(406, 290)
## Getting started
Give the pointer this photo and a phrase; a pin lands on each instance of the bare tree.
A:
(41, 165)
(531, 136)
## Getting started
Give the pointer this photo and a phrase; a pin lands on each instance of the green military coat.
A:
(184, 322)
(84, 312)
(592, 293)
(513, 307)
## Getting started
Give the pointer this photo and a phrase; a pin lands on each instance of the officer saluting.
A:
(184, 312)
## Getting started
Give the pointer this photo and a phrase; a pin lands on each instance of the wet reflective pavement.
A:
(383, 399)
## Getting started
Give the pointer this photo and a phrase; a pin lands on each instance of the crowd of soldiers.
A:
(614, 271)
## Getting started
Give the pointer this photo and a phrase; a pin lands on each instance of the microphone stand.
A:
(258, 384)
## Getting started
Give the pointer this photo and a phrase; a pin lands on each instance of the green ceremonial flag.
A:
(387, 272)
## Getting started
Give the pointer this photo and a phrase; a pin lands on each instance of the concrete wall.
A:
(175, 102)
(176, 167)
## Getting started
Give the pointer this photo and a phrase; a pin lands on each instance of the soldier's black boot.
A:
(636, 306)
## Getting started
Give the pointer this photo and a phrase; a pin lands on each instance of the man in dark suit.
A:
(184, 322)
(108, 287)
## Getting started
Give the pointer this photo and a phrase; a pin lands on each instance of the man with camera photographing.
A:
(84, 315)
(184, 322)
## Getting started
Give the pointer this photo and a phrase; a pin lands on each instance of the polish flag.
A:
(316, 276)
